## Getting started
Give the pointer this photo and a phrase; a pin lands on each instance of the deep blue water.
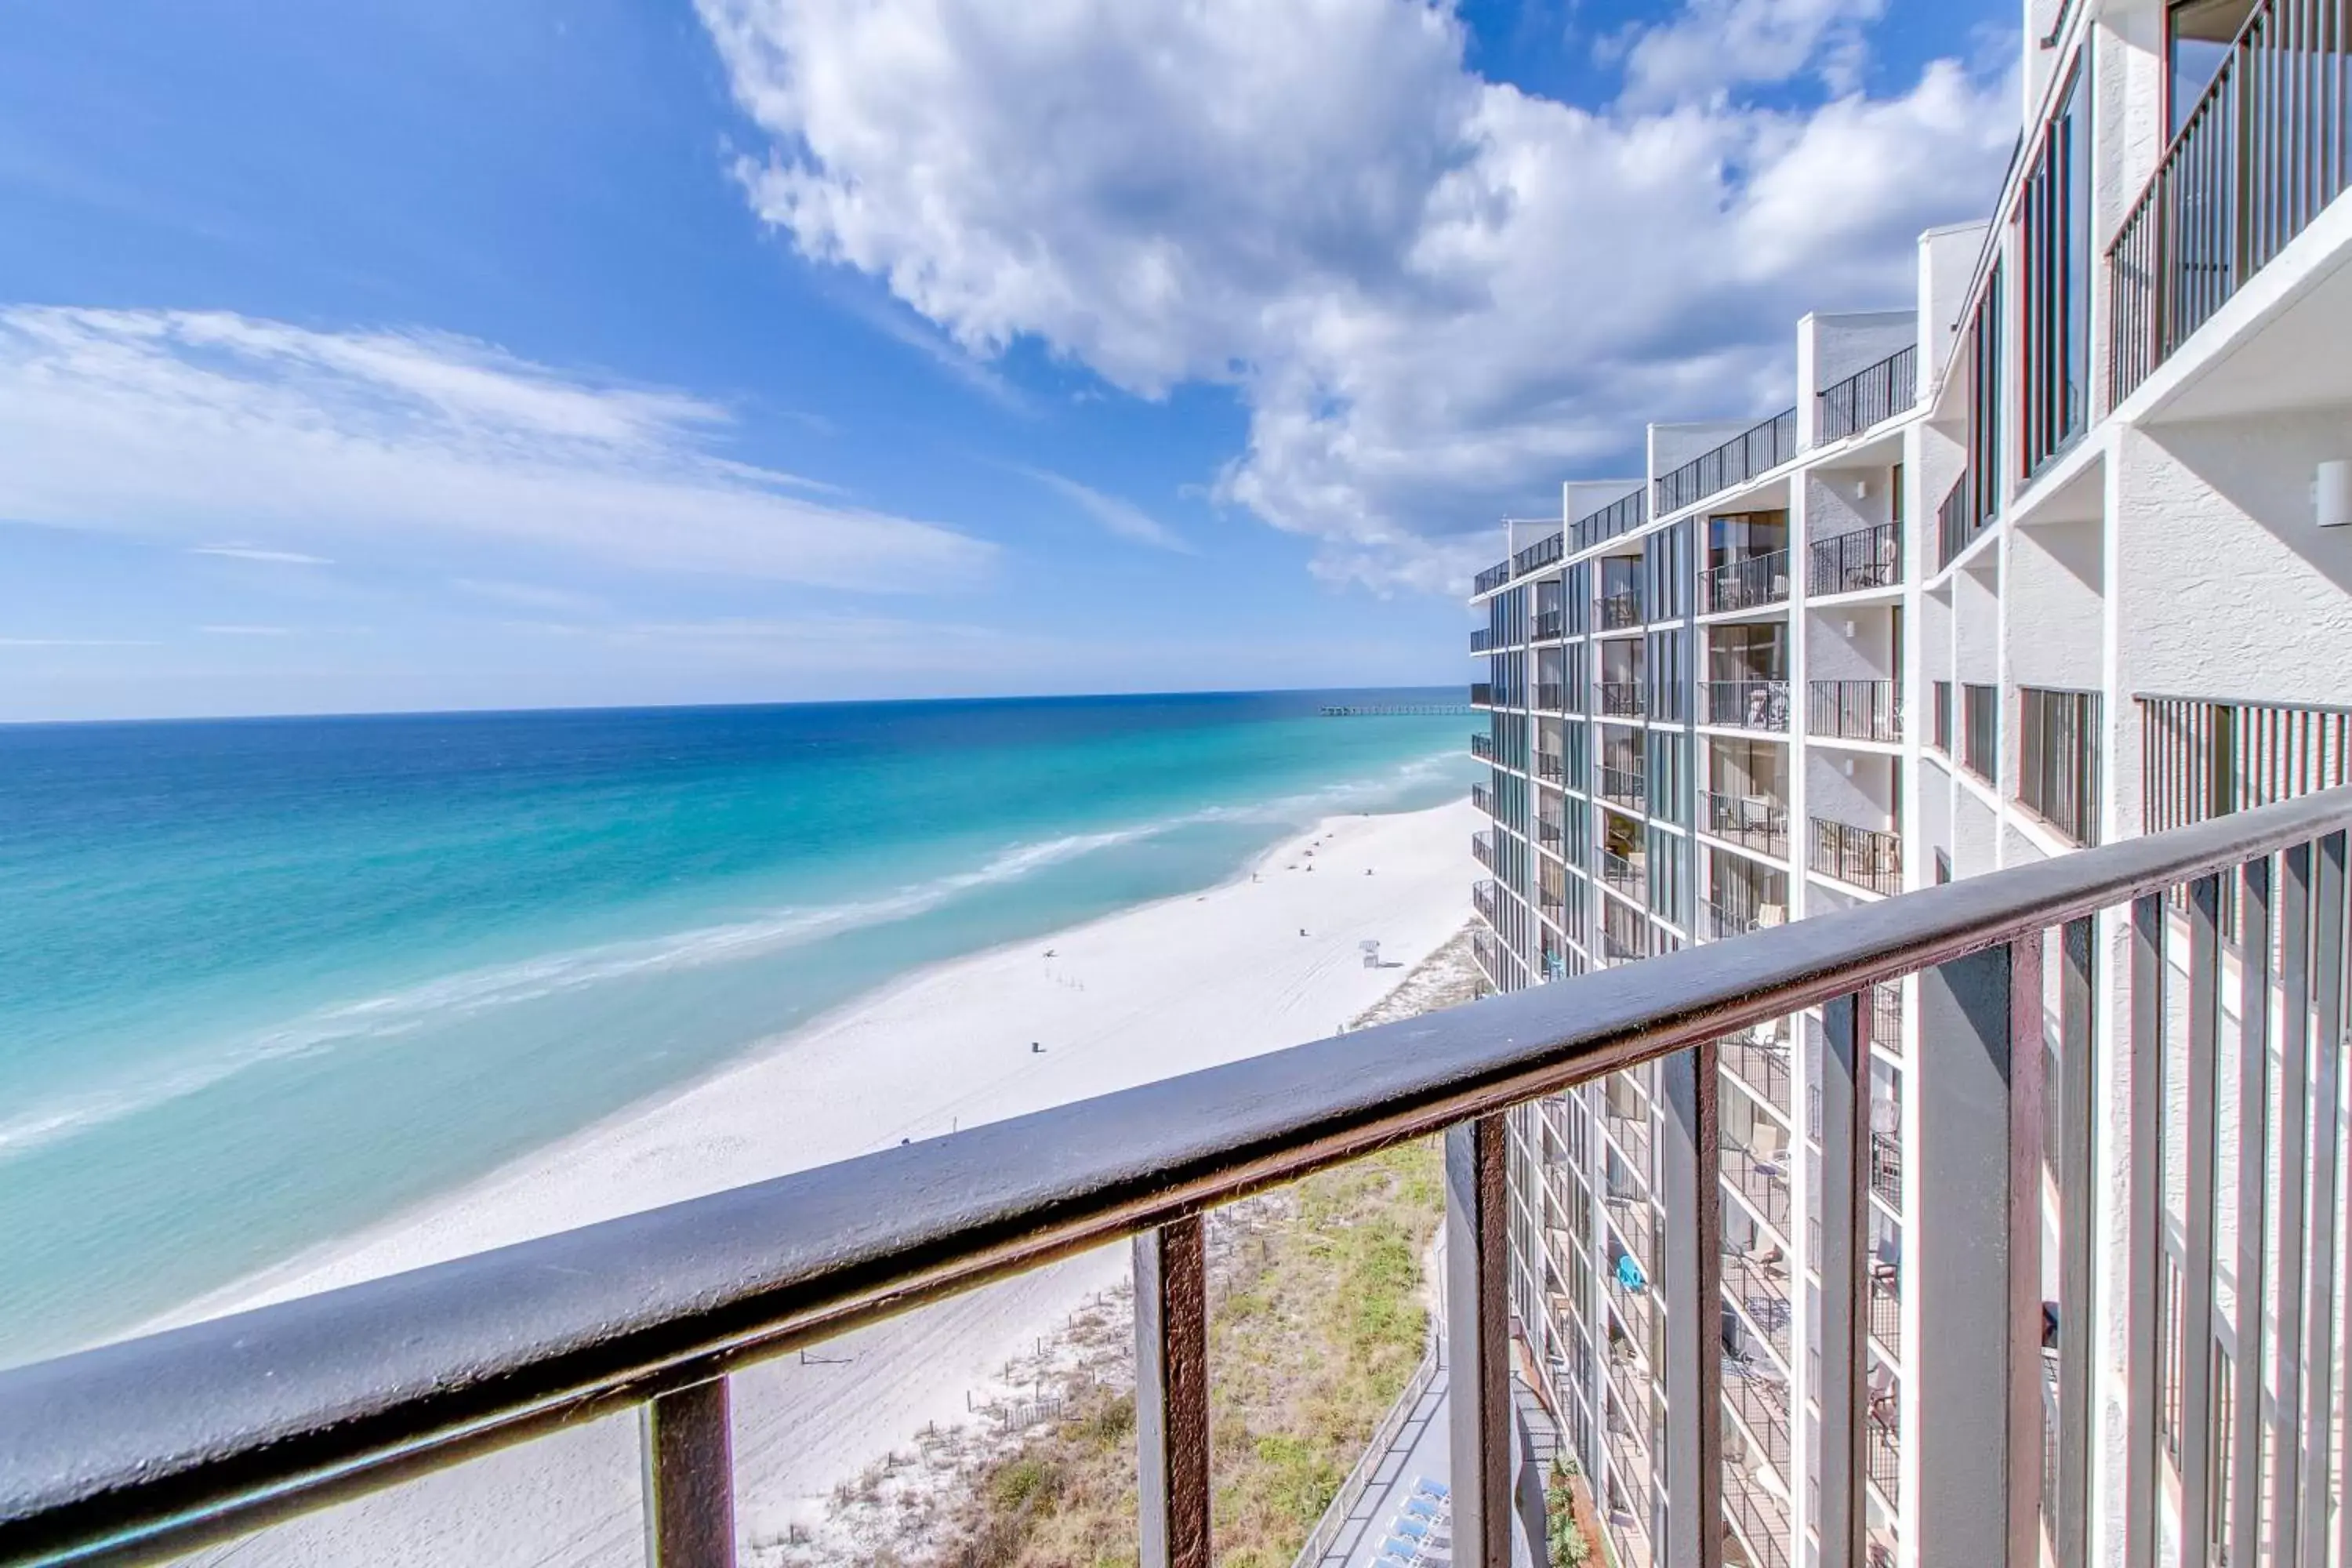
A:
(262, 981)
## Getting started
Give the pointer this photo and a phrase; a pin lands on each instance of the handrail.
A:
(1735, 462)
(150, 1447)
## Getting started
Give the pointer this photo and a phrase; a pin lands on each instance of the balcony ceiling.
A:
(2301, 300)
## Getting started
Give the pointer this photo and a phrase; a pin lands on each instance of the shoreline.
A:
(520, 1198)
(1152, 991)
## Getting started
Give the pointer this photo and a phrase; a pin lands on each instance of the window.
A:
(2054, 292)
(1983, 478)
(2197, 38)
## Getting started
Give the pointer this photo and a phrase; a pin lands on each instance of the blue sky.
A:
(420, 353)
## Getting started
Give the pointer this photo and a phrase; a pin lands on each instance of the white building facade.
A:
(2055, 557)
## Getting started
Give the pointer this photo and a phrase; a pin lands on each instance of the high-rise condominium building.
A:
(2057, 556)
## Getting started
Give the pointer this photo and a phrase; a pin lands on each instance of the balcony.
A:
(1549, 832)
(2058, 760)
(1482, 899)
(2208, 756)
(1623, 515)
(1751, 584)
(1482, 849)
(2259, 157)
(1491, 578)
(1751, 821)
(1859, 856)
(1747, 704)
(1484, 799)
(1965, 514)
(1485, 639)
(1623, 700)
(1538, 555)
(167, 1444)
(1550, 626)
(1980, 730)
(1886, 1169)
(1481, 747)
(1619, 611)
(1759, 1060)
(1756, 450)
(1625, 874)
(1854, 711)
(1764, 1183)
(1482, 694)
(1868, 397)
(1551, 767)
(1623, 786)
(1855, 563)
(1551, 697)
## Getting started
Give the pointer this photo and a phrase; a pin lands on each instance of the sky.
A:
(403, 355)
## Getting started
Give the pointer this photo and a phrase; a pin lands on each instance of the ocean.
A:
(265, 982)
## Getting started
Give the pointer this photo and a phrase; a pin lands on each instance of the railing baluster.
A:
(1845, 1278)
(2318, 1413)
(2244, 1501)
(2028, 1424)
(1478, 1339)
(2076, 1229)
(689, 1479)
(2197, 1312)
(1691, 1183)
(2294, 1071)
(1171, 1395)
(2144, 1233)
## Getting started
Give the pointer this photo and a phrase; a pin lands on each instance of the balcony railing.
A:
(1964, 514)
(1942, 738)
(2208, 756)
(1624, 873)
(1491, 578)
(1550, 626)
(165, 1444)
(1484, 799)
(1551, 697)
(1481, 747)
(1980, 730)
(1620, 610)
(1863, 856)
(1755, 822)
(1761, 1064)
(2058, 744)
(1759, 448)
(1482, 694)
(1746, 585)
(1482, 849)
(1622, 785)
(1549, 832)
(1764, 1183)
(1485, 638)
(1854, 711)
(1747, 704)
(1622, 700)
(1537, 556)
(1855, 563)
(1551, 767)
(1869, 396)
(1887, 1168)
(2266, 149)
(1628, 512)
(1482, 899)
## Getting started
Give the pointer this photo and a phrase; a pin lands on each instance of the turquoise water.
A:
(264, 982)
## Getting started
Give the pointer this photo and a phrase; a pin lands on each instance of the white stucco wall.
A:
(2057, 607)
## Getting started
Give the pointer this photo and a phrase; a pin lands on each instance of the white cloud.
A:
(245, 631)
(202, 424)
(1436, 296)
(256, 553)
(1712, 46)
(1122, 518)
(529, 595)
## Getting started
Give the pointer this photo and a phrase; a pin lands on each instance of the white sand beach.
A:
(1269, 958)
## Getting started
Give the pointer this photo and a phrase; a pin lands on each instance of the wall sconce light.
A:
(1862, 490)
(2331, 494)
(1848, 768)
